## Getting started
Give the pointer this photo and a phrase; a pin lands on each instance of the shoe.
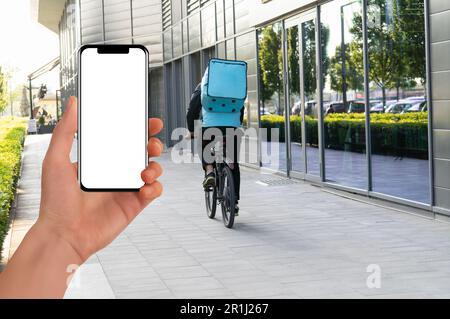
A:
(236, 209)
(209, 181)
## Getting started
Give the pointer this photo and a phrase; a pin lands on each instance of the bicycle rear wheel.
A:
(211, 201)
(228, 197)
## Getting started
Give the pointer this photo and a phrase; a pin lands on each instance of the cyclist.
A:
(228, 124)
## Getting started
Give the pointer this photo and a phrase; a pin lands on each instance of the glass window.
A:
(220, 49)
(399, 122)
(194, 31)
(343, 94)
(177, 45)
(294, 97)
(310, 105)
(176, 11)
(241, 15)
(271, 88)
(220, 20)
(208, 25)
(167, 44)
(185, 37)
(230, 49)
(246, 44)
(301, 104)
(229, 17)
(195, 69)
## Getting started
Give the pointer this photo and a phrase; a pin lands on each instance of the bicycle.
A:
(223, 190)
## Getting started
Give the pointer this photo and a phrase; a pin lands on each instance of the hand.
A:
(89, 221)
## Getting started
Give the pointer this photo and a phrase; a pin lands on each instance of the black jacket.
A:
(195, 108)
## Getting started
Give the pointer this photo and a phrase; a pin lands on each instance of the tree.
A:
(410, 25)
(325, 37)
(269, 57)
(271, 60)
(3, 91)
(293, 60)
(354, 76)
(308, 57)
(396, 41)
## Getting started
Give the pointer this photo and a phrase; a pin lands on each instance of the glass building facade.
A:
(358, 88)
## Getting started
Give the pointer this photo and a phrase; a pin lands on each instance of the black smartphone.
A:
(112, 117)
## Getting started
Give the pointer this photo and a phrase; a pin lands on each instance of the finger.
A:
(149, 192)
(62, 138)
(155, 125)
(154, 147)
(152, 172)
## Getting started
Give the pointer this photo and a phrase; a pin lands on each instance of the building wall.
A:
(114, 22)
(147, 28)
(440, 93)
(123, 21)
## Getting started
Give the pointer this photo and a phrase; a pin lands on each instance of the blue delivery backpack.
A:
(223, 92)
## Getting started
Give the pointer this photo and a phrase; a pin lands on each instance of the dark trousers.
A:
(235, 160)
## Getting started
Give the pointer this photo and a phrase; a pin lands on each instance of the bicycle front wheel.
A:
(211, 201)
(228, 197)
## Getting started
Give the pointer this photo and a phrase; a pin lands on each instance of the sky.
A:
(25, 45)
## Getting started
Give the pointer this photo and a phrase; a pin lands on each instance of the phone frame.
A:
(109, 49)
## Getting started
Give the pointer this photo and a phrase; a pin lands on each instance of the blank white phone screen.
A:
(113, 119)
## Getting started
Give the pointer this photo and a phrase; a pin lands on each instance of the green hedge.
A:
(12, 134)
(392, 134)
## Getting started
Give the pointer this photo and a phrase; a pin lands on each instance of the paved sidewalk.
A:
(290, 241)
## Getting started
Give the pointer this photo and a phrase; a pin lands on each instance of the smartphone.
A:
(112, 117)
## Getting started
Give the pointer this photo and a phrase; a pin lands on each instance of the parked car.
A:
(377, 108)
(336, 107)
(311, 108)
(380, 108)
(356, 107)
(401, 105)
(417, 107)
(397, 107)
(415, 98)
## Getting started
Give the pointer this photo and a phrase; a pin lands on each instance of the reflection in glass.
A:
(272, 93)
(208, 19)
(294, 102)
(343, 94)
(309, 83)
(399, 117)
